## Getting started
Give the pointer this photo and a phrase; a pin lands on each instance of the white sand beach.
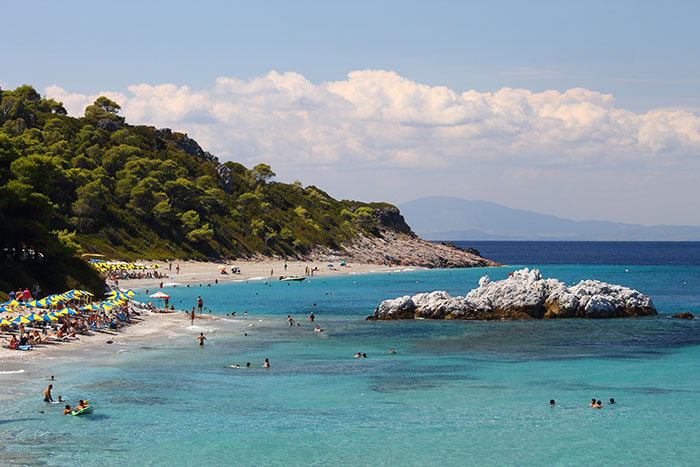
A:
(192, 272)
(150, 326)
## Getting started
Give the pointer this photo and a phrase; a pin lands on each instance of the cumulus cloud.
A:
(380, 118)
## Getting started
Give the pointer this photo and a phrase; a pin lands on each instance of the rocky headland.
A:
(395, 244)
(523, 295)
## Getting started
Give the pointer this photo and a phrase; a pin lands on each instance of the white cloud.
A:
(380, 120)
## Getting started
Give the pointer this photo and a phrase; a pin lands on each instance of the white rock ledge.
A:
(523, 295)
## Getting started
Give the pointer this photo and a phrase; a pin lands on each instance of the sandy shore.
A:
(198, 272)
(153, 326)
(147, 328)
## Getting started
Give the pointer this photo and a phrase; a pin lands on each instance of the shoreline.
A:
(194, 272)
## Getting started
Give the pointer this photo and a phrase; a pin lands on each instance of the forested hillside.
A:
(96, 184)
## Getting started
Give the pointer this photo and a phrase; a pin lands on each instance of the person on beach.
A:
(192, 316)
(311, 317)
(266, 364)
(200, 303)
(201, 338)
(67, 410)
(47, 394)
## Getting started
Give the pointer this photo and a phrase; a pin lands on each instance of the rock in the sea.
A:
(684, 315)
(523, 295)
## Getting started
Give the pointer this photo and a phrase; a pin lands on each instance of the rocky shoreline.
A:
(399, 249)
(523, 295)
(395, 244)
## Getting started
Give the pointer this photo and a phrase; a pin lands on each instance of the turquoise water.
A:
(456, 393)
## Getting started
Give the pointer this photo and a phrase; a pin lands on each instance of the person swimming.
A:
(552, 403)
(266, 364)
(592, 404)
(598, 405)
(358, 355)
(612, 401)
(201, 338)
(67, 410)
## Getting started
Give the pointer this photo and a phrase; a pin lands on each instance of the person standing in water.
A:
(201, 338)
(47, 394)
(266, 364)
(200, 303)
(192, 316)
(311, 317)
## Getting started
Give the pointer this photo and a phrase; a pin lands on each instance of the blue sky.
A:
(645, 54)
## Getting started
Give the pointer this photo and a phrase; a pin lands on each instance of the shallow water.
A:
(456, 393)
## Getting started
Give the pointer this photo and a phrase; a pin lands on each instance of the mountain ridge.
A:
(443, 218)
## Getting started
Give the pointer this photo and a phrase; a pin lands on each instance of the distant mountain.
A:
(447, 218)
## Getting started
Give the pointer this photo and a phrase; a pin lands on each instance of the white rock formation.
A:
(524, 294)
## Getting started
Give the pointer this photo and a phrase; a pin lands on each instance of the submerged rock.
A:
(523, 295)
(684, 315)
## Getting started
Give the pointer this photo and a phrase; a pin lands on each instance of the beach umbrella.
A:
(21, 320)
(5, 322)
(159, 295)
(48, 317)
(330, 265)
(13, 303)
(70, 312)
(130, 293)
(35, 317)
(155, 266)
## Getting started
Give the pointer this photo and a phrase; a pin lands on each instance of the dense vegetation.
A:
(98, 185)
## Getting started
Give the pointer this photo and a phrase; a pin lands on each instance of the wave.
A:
(11, 371)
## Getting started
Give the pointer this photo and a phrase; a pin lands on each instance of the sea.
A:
(454, 393)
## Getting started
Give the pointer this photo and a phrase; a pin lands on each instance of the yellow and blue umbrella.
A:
(21, 320)
(48, 317)
(5, 322)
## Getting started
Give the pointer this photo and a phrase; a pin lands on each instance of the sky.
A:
(585, 110)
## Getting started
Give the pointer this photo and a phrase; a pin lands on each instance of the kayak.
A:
(85, 411)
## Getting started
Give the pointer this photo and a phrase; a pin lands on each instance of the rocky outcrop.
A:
(397, 249)
(191, 147)
(523, 295)
(684, 315)
(397, 245)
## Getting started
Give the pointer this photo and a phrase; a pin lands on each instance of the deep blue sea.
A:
(455, 393)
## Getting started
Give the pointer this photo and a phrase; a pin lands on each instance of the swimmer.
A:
(358, 355)
(598, 405)
(317, 329)
(60, 399)
(67, 410)
(592, 404)
(201, 338)
(266, 364)
(290, 320)
(311, 317)
(552, 403)
(612, 401)
(392, 351)
(235, 366)
(364, 355)
(247, 365)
